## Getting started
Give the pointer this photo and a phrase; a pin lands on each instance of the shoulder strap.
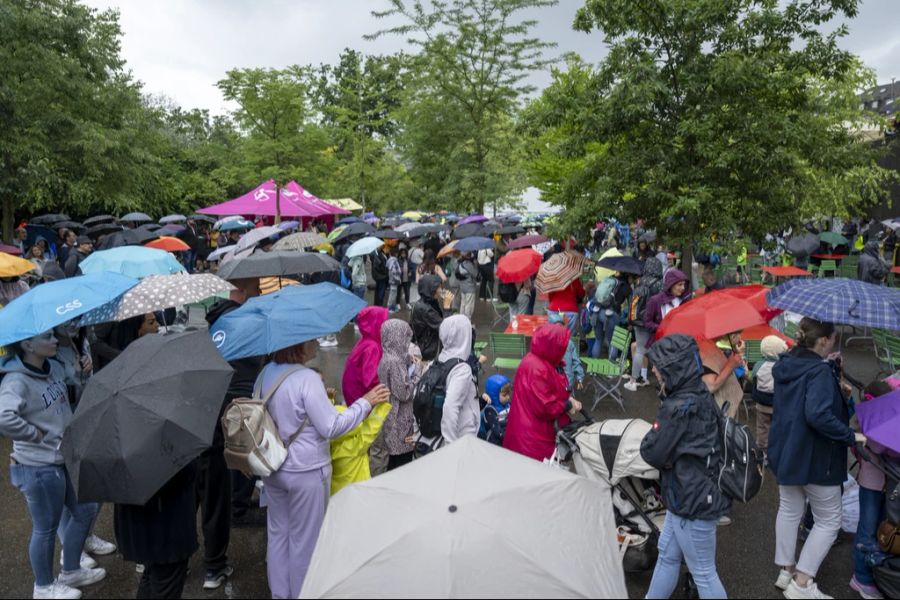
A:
(257, 389)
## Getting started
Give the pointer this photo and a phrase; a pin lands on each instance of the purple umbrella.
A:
(288, 225)
(473, 219)
(880, 420)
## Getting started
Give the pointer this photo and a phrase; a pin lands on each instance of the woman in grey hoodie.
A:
(461, 414)
(34, 413)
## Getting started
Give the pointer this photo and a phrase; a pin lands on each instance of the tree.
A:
(711, 118)
(467, 82)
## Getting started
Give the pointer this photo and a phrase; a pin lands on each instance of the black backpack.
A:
(508, 292)
(429, 395)
(742, 466)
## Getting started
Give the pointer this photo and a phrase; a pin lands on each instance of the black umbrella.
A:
(136, 217)
(511, 230)
(49, 219)
(128, 237)
(354, 230)
(99, 219)
(103, 228)
(145, 417)
(279, 263)
(802, 246)
(204, 218)
(389, 234)
(622, 264)
(68, 225)
(648, 236)
(470, 230)
(151, 226)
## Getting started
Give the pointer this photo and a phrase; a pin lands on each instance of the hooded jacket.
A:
(653, 314)
(426, 318)
(393, 371)
(651, 284)
(810, 421)
(461, 414)
(492, 388)
(872, 267)
(34, 411)
(73, 263)
(541, 395)
(361, 368)
(684, 441)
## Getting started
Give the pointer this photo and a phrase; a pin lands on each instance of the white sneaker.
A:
(98, 546)
(81, 577)
(810, 591)
(631, 386)
(723, 521)
(784, 579)
(56, 590)
(138, 568)
(86, 561)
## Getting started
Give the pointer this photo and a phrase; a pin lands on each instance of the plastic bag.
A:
(850, 501)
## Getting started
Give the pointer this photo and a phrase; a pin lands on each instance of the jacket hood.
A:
(395, 337)
(370, 321)
(15, 365)
(456, 338)
(428, 285)
(220, 309)
(795, 364)
(673, 276)
(652, 268)
(873, 249)
(550, 343)
(492, 388)
(678, 359)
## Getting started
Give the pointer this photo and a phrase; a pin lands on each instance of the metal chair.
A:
(790, 330)
(510, 344)
(608, 376)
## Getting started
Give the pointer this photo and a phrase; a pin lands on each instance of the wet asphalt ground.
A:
(745, 549)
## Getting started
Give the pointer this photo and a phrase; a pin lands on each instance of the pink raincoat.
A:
(361, 369)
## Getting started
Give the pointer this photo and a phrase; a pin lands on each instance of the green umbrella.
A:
(833, 238)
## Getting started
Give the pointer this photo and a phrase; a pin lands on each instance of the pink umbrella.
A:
(473, 219)
(526, 241)
(7, 249)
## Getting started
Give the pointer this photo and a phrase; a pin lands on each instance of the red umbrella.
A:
(518, 265)
(169, 244)
(526, 241)
(755, 295)
(758, 332)
(6, 249)
(711, 316)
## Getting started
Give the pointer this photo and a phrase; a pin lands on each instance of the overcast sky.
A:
(180, 48)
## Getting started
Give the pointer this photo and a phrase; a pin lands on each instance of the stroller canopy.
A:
(612, 449)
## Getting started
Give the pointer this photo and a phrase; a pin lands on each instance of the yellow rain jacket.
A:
(350, 452)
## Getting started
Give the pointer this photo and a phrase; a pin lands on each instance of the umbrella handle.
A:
(850, 311)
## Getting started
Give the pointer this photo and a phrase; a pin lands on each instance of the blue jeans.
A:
(360, 291)
(603, 332)
(871, 509)
(695, 542)
(47, 491)
(380, 289)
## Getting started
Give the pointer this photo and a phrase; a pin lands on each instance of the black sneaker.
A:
(215, 578)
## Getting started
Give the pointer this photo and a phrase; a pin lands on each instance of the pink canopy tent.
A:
(294, 202)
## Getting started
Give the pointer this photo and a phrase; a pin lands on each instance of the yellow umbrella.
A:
(601, 273)
(412, 214)
(326, 248)
(13, 266)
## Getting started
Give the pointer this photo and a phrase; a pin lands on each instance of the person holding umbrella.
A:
(83, 250)
(427, 316)
(298, 492)
(34, 413)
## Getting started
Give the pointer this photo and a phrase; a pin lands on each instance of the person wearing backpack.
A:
(461, 414)
(682, 445)
(610, 296)
(298, 491)
(649, 284)
(808, 446)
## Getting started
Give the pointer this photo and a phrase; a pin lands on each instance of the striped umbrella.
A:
(299, 241)
(559, 271)
(839, 300)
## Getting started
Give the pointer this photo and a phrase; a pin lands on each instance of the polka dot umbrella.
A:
(158, 292)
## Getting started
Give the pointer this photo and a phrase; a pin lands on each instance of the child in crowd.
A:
(498, 394)
(771, 347)
(574, 368)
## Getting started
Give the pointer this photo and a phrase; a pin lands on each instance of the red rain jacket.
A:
(361, 369)
(539, 396)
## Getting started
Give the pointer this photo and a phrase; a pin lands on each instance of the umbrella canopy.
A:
(473, 219)
(136, 427)
(448, 249)
(134, 261)
(710, 316)
(68, 225)
(270, 285)
(332, 235)
(469, 230)
(526, 241)
(474, 244)
(602, 272)
(96, 231)
(839, 300)
(389, 234)
(169, 244)
(803, 245)
(621, 264)
(346, 203)
(559, 271)
(758, 332)
(518, 265)
(50, 304)
(13, 266)
(366, 245)
(13, 250)
(892, 223)
(295, 314)
(289, 225)
(204, 218)
(299, 241)
(511, 230)
(151, 227)
(219, 253)
(437, 527)
(350, 220)
(173, 219)
(136, 217)
(158, 292)
(49, 219)
(412, 214)
(253, 237)
(406, 227)
(36, 232)
(278, 263)
(99, 219)
(755, 295)
(237, 225)
(833, 238)
(228, 219)
(352, 230)
(879, 419)
(127, 237)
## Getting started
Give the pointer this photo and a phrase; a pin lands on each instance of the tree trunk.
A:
(8, 216)
(687, 263)
(277, 203)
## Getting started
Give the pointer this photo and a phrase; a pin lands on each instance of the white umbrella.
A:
(220, 253)
(224, 220)
(471, 520)
(367, 245)
(255, 236)
(173, 219)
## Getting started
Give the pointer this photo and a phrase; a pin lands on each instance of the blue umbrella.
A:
(134, 261)
(474, 244)
(288, 225)
(295, 314)
(366, 245)
(838, 300)
(54, 303)
(238, 225)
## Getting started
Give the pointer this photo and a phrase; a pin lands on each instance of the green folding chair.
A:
(790, 330)
(608, 376)
(753, 352)
(508, 349)
(892, 347)
(828, 266)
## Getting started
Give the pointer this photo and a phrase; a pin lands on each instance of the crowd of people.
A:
(803, 414)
